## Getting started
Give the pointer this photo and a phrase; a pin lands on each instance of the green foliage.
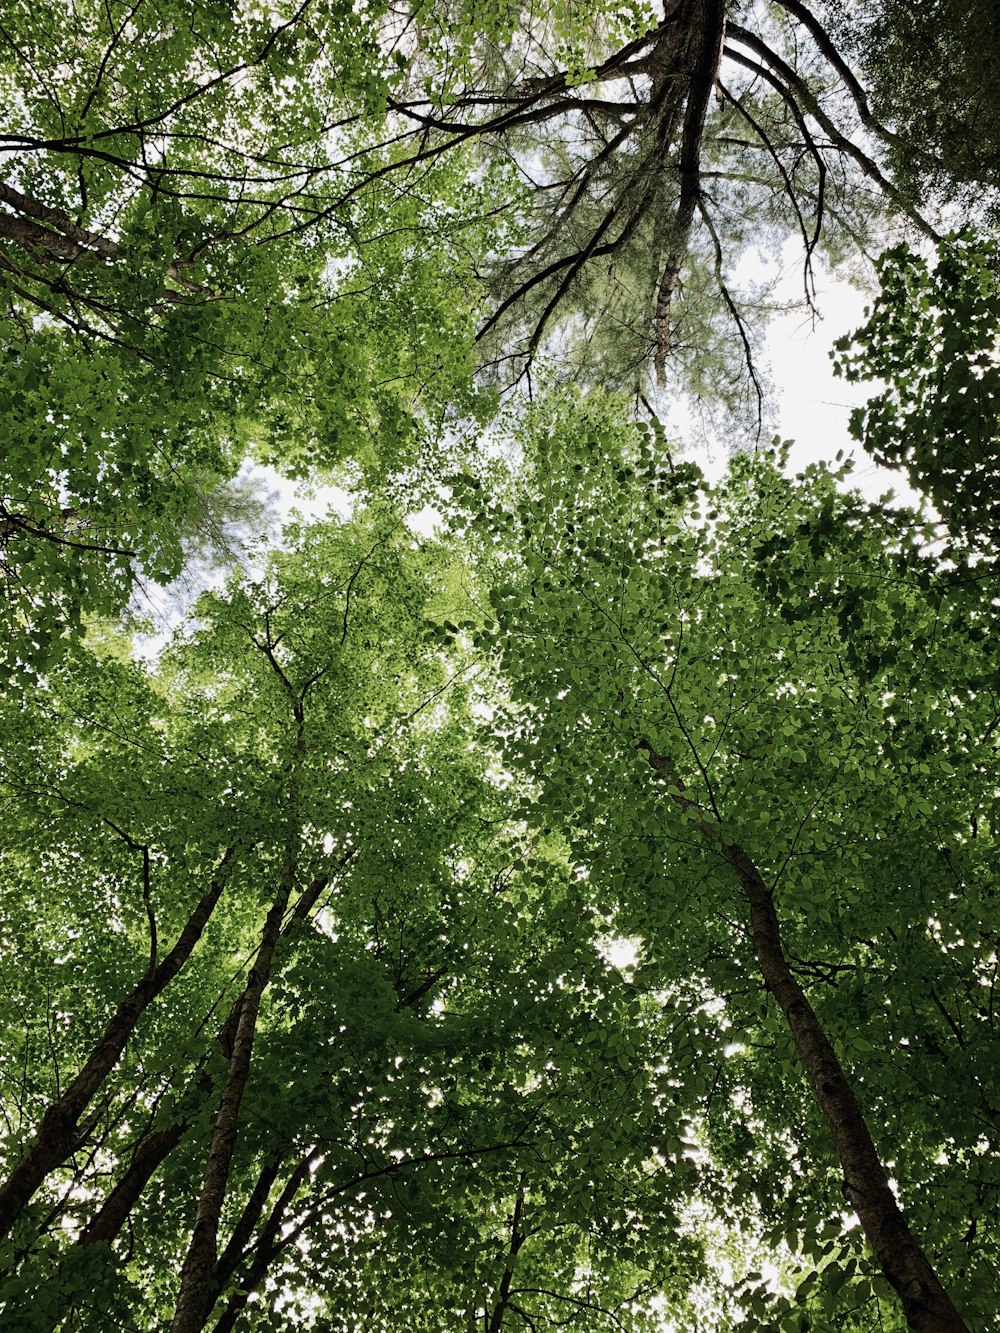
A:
(200, 262)
(929, 70)
(462, 814)
(789, 655)
(441, 1034)
(932, 339)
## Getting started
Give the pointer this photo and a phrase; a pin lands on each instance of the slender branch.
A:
(517, 1239)
(14, 523)
(733, 309)
(781, 76)
(809, 242)
(56, 1136)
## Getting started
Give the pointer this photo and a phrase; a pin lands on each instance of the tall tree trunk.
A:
(197, 1273)
(706, 22)
(926, 1304)
(57, 1134)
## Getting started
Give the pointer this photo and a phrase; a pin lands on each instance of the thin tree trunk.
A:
(517, 1239)
(198, 1270)
(107, 1223)
(57, 1134)
(265, 1251)
(244, 1228)
(926, 1304)
(274, 1238)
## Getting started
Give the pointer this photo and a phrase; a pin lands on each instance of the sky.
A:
(813, 407)
(813, 404)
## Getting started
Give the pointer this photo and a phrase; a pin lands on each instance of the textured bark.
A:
(57, 1134)
(65, 240)
(151, 1154)
(707, 25)
(267, 1248)
(198, 1271)
(40, 241)
(926, 1304)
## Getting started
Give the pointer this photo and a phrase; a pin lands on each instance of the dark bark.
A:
(926, 1304)
(57, 1135)
(517, 1239)
(267, 1248)
(13, 525)
(150, 1155)
(708, 25)
(274, 1239)
(249, 1218)
(195, 1294)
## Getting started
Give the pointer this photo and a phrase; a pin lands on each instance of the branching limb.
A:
(57, 1133)
(733, 309)
(711, 30)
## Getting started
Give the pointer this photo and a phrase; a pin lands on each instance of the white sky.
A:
(813, 404)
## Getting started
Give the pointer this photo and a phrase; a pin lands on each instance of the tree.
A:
(731, 697)
(560, 923)
(654, 148)
(932, 338)
(302, 982)
(929, 76)
(176, 294)
(297, 234)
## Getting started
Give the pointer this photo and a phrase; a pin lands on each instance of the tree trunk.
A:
(267, 1248)
(926, 1304)
(517, 1239)
(57, 1134)
(707, 24)
(198, 1271)
(148, 1158)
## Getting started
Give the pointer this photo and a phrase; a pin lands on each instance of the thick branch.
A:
(60, 238)
(56, 1136)
(828, 50)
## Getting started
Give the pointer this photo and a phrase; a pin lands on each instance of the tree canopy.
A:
(584, 916)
